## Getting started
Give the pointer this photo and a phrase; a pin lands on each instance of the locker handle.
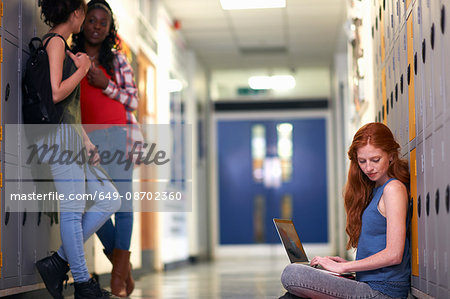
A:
(427, 204)
(415, 64)
(379, 13)
(7, 214)
(401, 84)
(387, 106)
(443, 19)
(424, 50)
(373, 33)
(396, 92)
(382, 112)
(408, 74)
(392, 100)
(384, 4)
(379, 116)
(24, 219)
(432, 36)
(437, 201)
(376, 24)
(7, 92)
(419, 206)
(447, 199)
(39, 218)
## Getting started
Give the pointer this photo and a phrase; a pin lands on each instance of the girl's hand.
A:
(91, 149)
(96, 77)
(81, 60)
(329, 264)
(337, 259)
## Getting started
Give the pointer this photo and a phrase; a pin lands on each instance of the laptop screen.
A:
(290, 240)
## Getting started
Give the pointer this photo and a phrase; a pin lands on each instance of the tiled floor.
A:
(238, 278)
(226, 278)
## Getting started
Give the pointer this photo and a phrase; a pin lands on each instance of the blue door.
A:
(272, 169)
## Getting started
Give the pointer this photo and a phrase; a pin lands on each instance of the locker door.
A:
(414, 223)
(403, 88)
(446, 174)
(436, 43)
(418, 67)
(29, 8)
(446, 56)
(430, 217)
(10, 19)
(428, 64)
(10, 229)
(439, 209)
(421, 227)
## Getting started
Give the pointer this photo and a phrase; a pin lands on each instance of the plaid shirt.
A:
(124, 90)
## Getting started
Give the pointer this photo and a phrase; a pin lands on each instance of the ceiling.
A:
(304, 34)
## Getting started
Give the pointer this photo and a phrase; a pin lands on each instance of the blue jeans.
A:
(307, 282)
(117, 235)
(76, 224)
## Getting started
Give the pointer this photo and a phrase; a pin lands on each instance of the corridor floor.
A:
(230, 278)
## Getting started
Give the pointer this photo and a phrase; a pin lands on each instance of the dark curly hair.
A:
(55, 12)
(112, 41)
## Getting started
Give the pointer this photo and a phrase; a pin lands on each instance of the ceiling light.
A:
(252, 4)
(260, 82)
(272, 82)
(283, 82)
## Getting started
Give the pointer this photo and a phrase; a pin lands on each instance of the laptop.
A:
(294, 248)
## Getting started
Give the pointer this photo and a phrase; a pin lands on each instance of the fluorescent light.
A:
(283, 82)
(252, 4)
(260, 82)
(272, 82)
(175, 85)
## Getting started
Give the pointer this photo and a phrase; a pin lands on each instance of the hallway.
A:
(226, 278)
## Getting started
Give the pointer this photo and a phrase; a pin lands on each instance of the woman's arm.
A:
(124, 89)
(395, 202)
(56, 53)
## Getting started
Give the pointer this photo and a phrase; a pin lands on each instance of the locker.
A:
(402, 12)
(387, 102)
(439, 209)
(446, 175)
(10, 20)
(428, 65)
(29, 8)
(418, 66)
(387, 23)
(403, 88)
(396, 17)
(396, 109)
(10, 229)
(421, 228)
(430, 217)
(446, 49)
(414, 220)
(410, 79)
(10, 81)
(436, 48)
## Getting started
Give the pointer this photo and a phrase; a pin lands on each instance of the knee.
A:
(115, 205)
(287, 277)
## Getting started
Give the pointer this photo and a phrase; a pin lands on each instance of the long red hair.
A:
(358, 190)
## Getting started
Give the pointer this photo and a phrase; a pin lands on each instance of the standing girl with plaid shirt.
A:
(108, 99)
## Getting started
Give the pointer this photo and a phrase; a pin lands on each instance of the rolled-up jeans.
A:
(76, 224)
(307, 282)
(117, 235)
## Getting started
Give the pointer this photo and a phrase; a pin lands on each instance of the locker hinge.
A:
(1, 180)
(1, 133)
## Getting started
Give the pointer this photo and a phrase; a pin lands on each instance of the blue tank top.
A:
(393, 281)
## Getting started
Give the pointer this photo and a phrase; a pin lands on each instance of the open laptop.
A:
(294, 248)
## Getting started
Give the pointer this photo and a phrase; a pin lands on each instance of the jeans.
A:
(117, 235)
(76, 225)
(307, 282)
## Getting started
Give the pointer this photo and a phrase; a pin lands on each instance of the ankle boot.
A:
(89, 290)
(53, 270)
(119, 274)
(129, 281)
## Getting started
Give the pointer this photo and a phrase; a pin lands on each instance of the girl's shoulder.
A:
(395, 186)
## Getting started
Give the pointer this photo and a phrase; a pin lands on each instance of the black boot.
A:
(89, 290)
(53, 270)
